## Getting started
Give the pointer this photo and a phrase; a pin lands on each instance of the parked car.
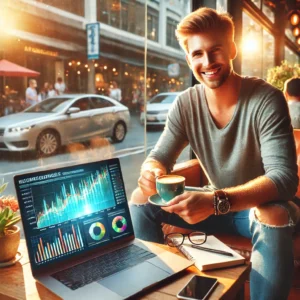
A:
(158, 108)
(61, 120)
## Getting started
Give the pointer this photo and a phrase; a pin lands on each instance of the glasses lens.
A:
(197, 237)
(174, 239)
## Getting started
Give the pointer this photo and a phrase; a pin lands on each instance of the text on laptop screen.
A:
(73, 209)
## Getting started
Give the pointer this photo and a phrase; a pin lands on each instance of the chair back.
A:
(297, 141)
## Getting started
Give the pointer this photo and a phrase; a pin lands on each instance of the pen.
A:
(212, 250)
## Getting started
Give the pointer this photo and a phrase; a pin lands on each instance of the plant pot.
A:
(9, 244)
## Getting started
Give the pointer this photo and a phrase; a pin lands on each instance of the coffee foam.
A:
(170, 179)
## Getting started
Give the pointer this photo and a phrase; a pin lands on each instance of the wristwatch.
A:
(221, 203)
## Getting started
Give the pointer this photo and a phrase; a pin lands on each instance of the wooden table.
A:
(16, 282)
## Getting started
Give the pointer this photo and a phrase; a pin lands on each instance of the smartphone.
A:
(198, 288)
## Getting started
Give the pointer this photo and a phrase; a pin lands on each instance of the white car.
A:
(62, 120)
(158, 108)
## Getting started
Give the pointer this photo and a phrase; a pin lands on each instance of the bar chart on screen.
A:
(57, 243)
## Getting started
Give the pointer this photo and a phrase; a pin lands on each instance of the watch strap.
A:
(219, 195)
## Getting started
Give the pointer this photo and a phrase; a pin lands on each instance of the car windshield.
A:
(163, 99)
(50, 105)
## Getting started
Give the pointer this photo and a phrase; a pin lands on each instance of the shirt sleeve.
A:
(277, 144)
(173, 139)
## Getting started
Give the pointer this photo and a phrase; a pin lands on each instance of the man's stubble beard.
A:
(216, 83)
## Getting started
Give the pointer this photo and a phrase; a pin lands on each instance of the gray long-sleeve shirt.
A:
(257, 141)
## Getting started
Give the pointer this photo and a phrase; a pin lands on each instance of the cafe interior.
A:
(267, 35)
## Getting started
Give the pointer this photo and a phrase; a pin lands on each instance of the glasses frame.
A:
(184, 235)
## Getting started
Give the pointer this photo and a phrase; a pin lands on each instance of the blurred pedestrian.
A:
(44, 92)
(31, 93)
(292, 94)
(60, 86)
(51, 91)
(115, 92)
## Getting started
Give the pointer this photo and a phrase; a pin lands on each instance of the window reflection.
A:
(268, 9)
(171, 38)
(49, 36)
(251, 47)
(268, 53)
(290, 56)
(257, 49)
(257, 2)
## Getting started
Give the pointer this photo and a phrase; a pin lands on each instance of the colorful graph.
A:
(97, 231)
(76, 198)
(119, 224)
(61, 243)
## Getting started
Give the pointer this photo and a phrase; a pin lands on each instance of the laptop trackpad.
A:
(133, 280)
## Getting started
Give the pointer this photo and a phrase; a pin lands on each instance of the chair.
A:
(195, 176)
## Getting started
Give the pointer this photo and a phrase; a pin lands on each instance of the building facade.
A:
(137, 42)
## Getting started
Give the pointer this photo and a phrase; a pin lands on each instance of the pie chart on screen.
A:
(119, 224)
(97, 231)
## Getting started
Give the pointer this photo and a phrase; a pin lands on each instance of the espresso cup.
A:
(169, 186)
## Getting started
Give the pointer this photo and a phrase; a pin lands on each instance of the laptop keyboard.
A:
(102, 266)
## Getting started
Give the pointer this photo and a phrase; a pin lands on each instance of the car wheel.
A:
(48, 143)
(119, 132)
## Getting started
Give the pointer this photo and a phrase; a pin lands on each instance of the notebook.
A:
(80, 237)
(205, 260)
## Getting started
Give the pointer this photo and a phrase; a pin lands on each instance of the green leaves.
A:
(279, 74)
(8, 208)
(3, 186)
(7, 218)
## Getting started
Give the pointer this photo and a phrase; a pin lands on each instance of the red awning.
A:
(10, 69)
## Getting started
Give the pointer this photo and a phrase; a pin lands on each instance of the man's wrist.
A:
(221, 202)
(210, 199)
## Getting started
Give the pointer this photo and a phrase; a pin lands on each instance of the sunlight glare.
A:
(250, 45)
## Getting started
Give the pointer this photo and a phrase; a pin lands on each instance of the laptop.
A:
(80, 237)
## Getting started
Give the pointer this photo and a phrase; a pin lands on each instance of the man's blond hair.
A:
(203, 20)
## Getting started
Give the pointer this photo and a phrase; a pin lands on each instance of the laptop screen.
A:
(71, 210)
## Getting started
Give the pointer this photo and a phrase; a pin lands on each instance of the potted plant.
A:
(279, 74)
(9, 232)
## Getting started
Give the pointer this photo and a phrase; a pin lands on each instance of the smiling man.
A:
(240, 130)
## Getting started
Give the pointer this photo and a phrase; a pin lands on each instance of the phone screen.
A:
(198, 288)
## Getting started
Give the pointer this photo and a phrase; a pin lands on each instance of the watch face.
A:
(223, 207)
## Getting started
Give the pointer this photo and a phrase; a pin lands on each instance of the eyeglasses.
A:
(177, 239)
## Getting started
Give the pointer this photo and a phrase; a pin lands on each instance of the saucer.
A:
(158, 201)
(12, 261)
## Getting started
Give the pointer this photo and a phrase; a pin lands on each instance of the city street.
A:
(131, 153)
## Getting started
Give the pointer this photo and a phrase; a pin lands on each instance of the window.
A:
(152, 24)
(49, 37)
(75, 7)
(128, 15)
(101, 103)
(268, 10)
(164, 99)
(52, 105)
(83, 104)
(257, 49)
(256, 2)
(290, 56)
(171, 38)
(267, 53)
